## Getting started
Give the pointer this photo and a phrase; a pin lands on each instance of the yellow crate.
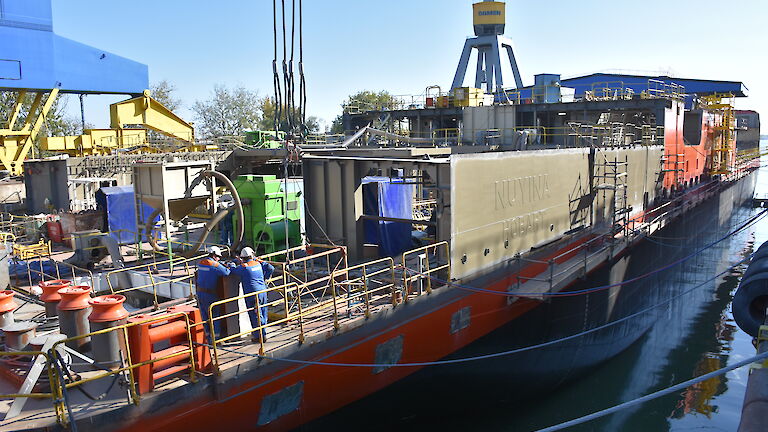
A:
(37, 250)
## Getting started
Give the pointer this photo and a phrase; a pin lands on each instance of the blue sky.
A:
(404, 46)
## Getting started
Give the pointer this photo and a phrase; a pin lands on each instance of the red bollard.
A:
(50, 295)
(74, 308)
(7, 306)
(108, 312)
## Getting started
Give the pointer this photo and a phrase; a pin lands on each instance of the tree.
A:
(267, 108)
(163, 91)
(229, 111)
(365, 100)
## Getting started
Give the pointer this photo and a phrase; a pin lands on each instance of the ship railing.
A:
(127, 366)
(364, 285)
(310, 267)
(553, 267)
(155, 271)
(19, 225)
(595, 245)
(572, 135)
(658, 89)
(59, 379)
(446, 136)
(418, 279)
(7, 237)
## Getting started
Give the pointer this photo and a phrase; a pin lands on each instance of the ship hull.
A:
(281, 396)
(525, 375)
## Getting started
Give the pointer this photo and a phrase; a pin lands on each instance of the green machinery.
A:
(264, 139)
(268, 210)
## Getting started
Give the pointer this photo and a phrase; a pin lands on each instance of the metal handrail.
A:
(212, 318)
(134, 394)
(424, 274)
(152, 283)
(58, 386)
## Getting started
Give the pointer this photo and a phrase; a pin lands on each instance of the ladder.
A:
(613, 177)
(674, 163)
(724, 144)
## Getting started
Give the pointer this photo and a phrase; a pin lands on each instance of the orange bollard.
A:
(7, 306)
(73, 309)
(108, 312)
(50, 295)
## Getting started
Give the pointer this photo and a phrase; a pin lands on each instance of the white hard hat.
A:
(214, 250)
(246, 252)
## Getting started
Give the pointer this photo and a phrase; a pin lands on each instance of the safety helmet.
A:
(214, 250)
(246, 252)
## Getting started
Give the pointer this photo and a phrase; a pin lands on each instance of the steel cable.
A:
(655, 395)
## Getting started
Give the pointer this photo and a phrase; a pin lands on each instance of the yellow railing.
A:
(152, 270)
(59, 384)
(328, 297)
(376, 278)
(284, 290)
(425, 273)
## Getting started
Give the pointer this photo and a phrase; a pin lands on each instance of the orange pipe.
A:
(167, 331)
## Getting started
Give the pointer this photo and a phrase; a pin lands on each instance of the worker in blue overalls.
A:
(209, 271)
(226, 227)
(253, 273)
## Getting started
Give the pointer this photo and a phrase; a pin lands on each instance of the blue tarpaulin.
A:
(18, 269)
(119, 207)
(383, 196)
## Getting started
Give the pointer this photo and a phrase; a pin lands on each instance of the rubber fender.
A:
(750, 302)
(759, 264)
(761, 252)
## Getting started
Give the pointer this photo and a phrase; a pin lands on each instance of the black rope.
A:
(59, 361)
(275, 74)
(302, 82)
(286, 83)
(290, 108)
(292, 88)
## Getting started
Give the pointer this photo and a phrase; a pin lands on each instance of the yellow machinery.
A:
(463, 97)
(130, 120)
(724, 145)
(16, 140)
(32, 251)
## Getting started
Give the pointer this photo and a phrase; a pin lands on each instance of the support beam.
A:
(16, 109)
(488, 71)
(16, 144)
(461, 70)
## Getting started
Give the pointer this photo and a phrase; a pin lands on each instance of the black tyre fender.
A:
(750, 302)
